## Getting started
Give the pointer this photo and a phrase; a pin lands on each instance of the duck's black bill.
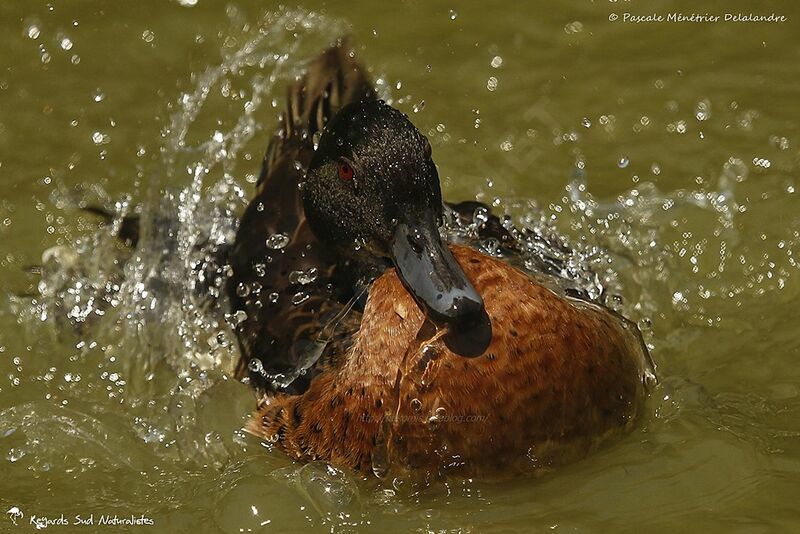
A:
(431, 273)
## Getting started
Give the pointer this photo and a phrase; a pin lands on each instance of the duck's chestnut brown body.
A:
(558, 376)
(458, 362)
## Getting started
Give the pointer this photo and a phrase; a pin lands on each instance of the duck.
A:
(374, 344)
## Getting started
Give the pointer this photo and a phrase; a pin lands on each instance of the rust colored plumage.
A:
(558, 376)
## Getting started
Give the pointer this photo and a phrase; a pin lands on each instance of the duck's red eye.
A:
(345, 171)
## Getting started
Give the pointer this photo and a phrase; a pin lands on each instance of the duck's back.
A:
(558, 377)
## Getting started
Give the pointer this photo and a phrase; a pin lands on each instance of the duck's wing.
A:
(492, 228)
(333, 80)
(284, 283)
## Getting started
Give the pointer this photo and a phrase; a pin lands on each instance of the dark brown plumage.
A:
(276, 329)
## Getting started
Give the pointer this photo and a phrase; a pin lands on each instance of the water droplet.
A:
(702, 110)
(15, 454)
(429, 351)
(497, 62)
(303, 277)
(300, 297)
(66, 43)
(273, 297)
(437, 416)
(762, 162)
(781, 143)
(480, 216)
(453, 15)
(277, 241)
(491, 83)
(148, 36)
(418, 107)
(242, 290)
(586, 122)
(615, 301)
(331, 491)
(623, 162)
(239, 317)
(33, 31)
(100, 138)
(735, 169)
(255, 366)
(491, 246)
(574, 27)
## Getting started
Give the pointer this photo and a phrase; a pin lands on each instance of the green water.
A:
(668, 149)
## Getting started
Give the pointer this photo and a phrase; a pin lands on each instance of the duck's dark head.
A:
(372, 188)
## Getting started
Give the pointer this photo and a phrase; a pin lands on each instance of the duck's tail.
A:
(333, 80)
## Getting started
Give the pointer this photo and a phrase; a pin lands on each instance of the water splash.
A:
(157, 315)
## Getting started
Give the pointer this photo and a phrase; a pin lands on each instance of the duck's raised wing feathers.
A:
(284, 312)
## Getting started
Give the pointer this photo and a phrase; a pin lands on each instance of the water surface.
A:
(665, 153)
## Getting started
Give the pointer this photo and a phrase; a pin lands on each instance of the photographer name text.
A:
(712, 18)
